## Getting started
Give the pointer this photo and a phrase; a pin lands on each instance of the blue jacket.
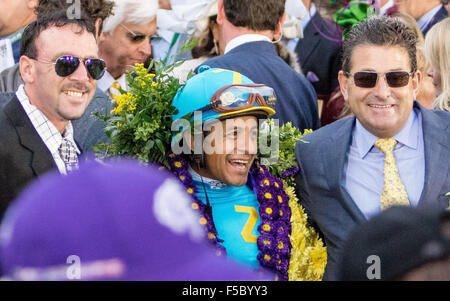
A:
(439, 16)
(327, 202)
(296, 98)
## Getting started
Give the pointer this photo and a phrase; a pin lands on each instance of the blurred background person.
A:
(125, 41)
(319, 51)
(14, 16)
(437, 49)
(427, 13)
(402, 243)
(210, 40)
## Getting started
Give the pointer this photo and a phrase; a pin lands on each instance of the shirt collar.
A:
(107, 80)
(305, 20)
(425, 20)
(211, 182)
(245, 38)
(408, 135)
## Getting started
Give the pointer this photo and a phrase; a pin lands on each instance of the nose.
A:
(246, 143)
(145, 48)
(382, 88)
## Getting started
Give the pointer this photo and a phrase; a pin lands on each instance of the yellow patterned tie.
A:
(114, 90)
(394, 192)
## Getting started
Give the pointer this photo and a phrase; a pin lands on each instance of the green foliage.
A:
(284, 155)
(140, 123)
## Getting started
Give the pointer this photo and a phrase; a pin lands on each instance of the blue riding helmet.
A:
(235, 93)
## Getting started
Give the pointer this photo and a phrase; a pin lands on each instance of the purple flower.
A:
(282, 266)
(266, 243)
(283, 229)
(290, 172)
(268, 227)
(283, 245)
(268, 210)
(284, 213)
(268, 259)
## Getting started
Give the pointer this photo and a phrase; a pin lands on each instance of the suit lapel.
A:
(335, 161)
(436, 152)
(305, 47)
(42, 160)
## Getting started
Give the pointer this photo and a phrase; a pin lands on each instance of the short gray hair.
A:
(380, 31)
(131, 11)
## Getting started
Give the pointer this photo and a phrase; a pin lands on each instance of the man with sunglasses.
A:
(392, 152)
(88, 130)
(60, 68)
(125, 41)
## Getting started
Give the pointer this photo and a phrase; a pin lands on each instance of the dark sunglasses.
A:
(68, 64)
(368, 79)
(135, 37)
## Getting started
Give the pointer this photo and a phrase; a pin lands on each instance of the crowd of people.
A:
(365, 196)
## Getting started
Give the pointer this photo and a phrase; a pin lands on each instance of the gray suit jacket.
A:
(320, 186)
(88, 130)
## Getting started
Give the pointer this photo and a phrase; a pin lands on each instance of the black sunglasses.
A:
(368, 79)
(135, 37)
(66, 65)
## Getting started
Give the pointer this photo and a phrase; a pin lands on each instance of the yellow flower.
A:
(178, 164)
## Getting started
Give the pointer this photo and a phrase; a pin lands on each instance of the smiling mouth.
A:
(381, 106)
(74, 93)
(239, 163)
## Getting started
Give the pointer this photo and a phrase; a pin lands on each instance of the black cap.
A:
(398, 240)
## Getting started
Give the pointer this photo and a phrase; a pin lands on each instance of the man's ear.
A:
(280, 23)
(343, 84)
(221, 16)
(98, 24)
(27, 69)
(103, 37)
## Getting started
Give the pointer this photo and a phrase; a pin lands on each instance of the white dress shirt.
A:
(245, 38)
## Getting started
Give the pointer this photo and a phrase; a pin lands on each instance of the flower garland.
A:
(274, 241)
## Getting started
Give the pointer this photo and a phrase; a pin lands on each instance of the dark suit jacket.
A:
(320, 55)
(327, 202)
(296, 99)
(439, 16)
(23, 155)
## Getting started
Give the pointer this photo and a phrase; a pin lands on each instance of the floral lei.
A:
(273, 242)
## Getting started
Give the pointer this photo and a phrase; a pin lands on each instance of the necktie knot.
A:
(386, 145)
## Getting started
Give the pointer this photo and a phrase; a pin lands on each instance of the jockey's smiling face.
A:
(230, 149)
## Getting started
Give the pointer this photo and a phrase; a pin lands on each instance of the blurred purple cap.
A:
(110, 222)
